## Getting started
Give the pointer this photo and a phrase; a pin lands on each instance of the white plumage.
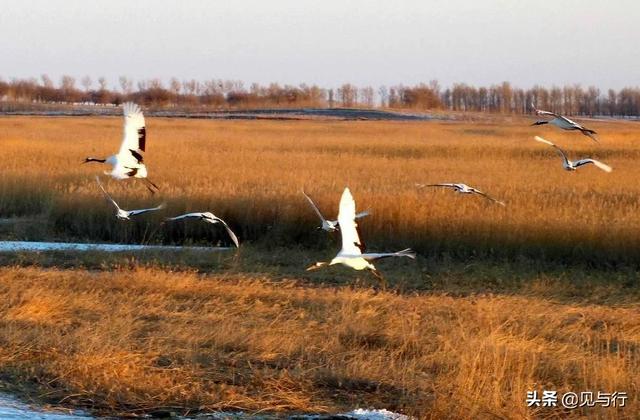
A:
(129, 161)
(564, 123)
(463, 189)
(123, 214)
(329, 225)
(209, 217)
(352, 254)
(569, 165)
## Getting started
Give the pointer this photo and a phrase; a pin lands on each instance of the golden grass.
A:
(135, 335)
(138, 340)
(251, 173)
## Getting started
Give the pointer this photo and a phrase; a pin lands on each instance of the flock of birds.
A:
(129, 163)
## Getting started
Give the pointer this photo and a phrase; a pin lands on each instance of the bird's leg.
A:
(379, 276)
(150, 184)
(154, 185)
(150, 189)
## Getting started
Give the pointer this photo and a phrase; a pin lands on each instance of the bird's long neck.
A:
(540, 122)
(90, 159)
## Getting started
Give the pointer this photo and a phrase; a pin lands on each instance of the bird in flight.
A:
(569, 165)
(122, 214)
(352, 253)
(209, 217)
(129, 162)
(330, 225)
(463, 189)
(563, 123)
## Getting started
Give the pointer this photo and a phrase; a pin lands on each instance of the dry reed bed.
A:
(143, 339)
(251, 172)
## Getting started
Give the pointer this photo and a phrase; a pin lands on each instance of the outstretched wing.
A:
(568, 121)
(372, 256)
(313, 205)
(599, 164)
(106, 194)
(541, 140)
(135, 133)
(363, 214)
(559, 150)
(137, 212)
(232, 235)
(351, 243)
(590, 134)
(446, 185)
(487, 196)
(541, 112)
(185, 216)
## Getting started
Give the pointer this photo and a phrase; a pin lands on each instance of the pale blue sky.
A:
(327, 42)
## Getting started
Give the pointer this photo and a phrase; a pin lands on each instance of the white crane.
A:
(128, 162)
(122, 214)
(351, 253)
(462, 189)
(563, 123)
(209, 217)
(569, 165)
(330, 225)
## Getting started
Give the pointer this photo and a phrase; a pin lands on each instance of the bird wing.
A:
(185, 216)
(138, 157)
(363, 214)
(313, 205)
(137, 212)
(135, 132)
(487, 196)
(541, 112)
(590, 134)
(559, 150)
(599, 164)
(541, 140)
(351, 243)
(372, 256)
(568, 121)
(106, 194)
(446, 185)
(232, 235)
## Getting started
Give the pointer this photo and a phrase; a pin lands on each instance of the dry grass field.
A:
(139, 340)
(251, 173)
(540, 294)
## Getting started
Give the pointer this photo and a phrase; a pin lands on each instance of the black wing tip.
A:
(137, 155)
(142, 138)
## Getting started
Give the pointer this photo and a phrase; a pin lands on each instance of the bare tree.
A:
(175, 86)
(348, 95)
(102, 82)
(86, 83)
(67, 82)
(68, 88)
(46, 81)
(367, 96)
(126, 85)
(383, 93)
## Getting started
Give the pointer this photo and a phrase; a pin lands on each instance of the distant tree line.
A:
(232, 94)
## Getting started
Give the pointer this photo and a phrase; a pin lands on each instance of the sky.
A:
(327, 42)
